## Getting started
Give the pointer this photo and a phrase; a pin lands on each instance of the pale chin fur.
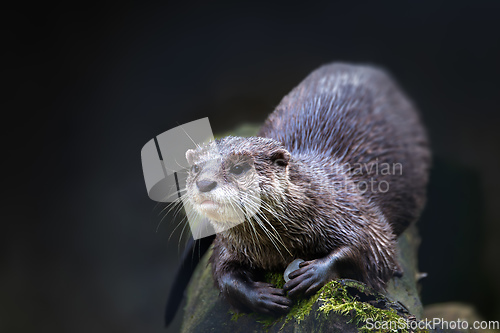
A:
(222, 216)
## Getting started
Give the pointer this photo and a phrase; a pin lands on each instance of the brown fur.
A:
(306, 157)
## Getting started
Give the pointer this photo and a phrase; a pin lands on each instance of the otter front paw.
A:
(310, 277)
(265, 298)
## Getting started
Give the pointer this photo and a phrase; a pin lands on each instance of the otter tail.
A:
(192, 254)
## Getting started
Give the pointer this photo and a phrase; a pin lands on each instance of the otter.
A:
(335, 174)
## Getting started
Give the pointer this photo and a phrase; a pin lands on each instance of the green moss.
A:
(332, 297)
(235, 315)
(302, 309)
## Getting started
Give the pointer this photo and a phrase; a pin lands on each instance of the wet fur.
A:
(339, 114)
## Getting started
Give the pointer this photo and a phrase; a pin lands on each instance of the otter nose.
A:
(206, 185)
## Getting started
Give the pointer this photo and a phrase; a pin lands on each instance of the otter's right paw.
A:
(264, 298)
(260, 297)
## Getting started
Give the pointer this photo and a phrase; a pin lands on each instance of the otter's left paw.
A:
(309, 278)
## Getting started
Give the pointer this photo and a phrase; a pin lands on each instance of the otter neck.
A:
(296, 197)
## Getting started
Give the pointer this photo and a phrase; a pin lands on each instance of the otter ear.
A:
(190, 156)
(280, 157)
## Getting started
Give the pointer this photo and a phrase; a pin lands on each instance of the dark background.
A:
(86, 88)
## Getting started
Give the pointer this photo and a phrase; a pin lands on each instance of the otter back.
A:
(357, 119)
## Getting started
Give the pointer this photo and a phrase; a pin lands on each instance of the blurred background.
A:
(86, 88)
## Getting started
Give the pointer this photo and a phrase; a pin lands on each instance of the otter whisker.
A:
(276, 235)
(171, 205)
(182, 233)
(189, 136)
(255, 205)
(249, 221)
(270, 210)
(182, 221)
(177, 208)
(166, 198)
(190, 215)
(177, 194)
(257, 216)
(265, 206)
(252, 232)
(239, 207)
(268, 233)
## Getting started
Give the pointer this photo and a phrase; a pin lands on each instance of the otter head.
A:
(230, 179)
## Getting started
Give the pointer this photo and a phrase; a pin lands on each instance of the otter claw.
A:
(309, 278)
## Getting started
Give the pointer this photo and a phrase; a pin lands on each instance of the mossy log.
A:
(341, 306)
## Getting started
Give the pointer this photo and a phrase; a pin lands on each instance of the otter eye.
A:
(237, 169)
(195, 169)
